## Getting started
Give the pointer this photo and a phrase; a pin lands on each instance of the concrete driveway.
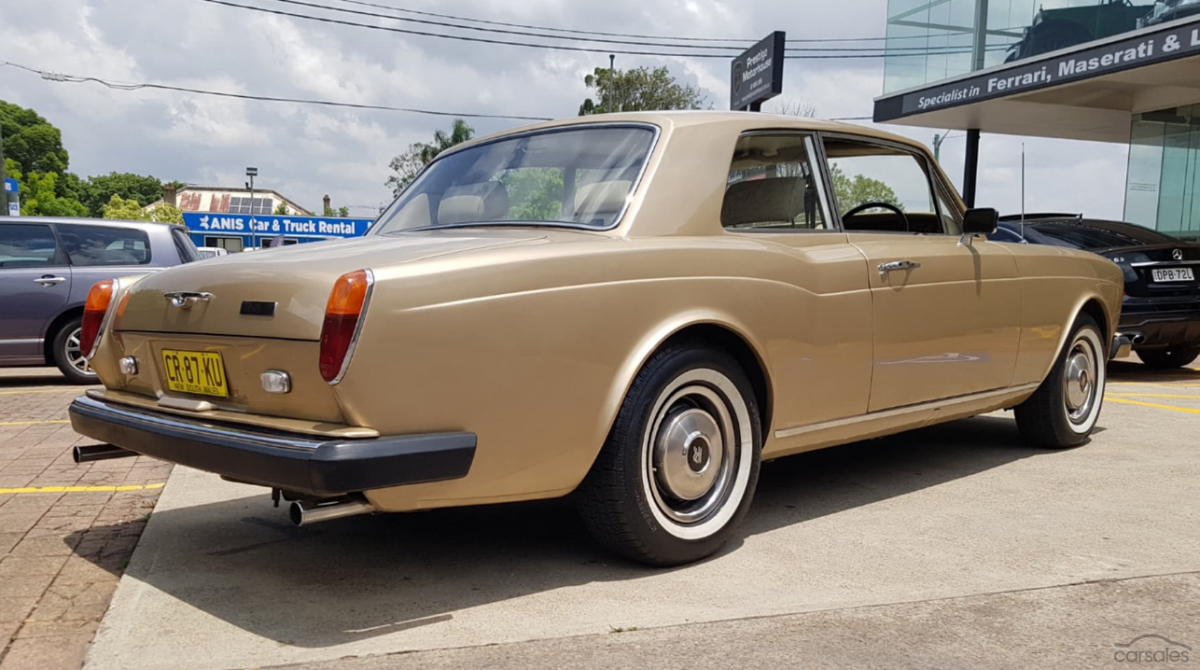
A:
(962, 510)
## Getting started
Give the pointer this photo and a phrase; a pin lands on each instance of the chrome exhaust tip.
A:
(306, 513)
(99, 452)
(1138, 338)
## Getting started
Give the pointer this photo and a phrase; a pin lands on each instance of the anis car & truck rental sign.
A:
(299, 228)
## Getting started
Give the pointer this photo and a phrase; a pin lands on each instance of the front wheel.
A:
(69, 355)
(680, 465)
(1064, 409)
(1169, 358)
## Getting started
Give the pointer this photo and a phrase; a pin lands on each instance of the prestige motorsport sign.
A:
(1143, 49)
(757, 74)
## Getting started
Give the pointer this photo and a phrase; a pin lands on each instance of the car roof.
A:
(1135, 234)
(121, 223)
(720, 121)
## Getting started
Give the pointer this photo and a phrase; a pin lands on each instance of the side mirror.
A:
(980, 221)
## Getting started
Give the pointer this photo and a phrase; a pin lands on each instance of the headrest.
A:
(762, 201)
(602, 196)
(487, 201)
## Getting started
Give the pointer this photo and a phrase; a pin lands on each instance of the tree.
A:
(281, 209)
(39, 195)
(99, 190)
(30, 140)
(340, 211)
(638, 90)
(852, 192)
(120, 208)
(419, 154)
(164, 213)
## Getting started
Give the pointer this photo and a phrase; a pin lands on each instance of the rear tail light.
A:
(343, 318)
(93, 315)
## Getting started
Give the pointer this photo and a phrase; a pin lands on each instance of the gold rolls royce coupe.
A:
(635, 308)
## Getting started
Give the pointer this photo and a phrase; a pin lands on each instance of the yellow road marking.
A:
(38, 391)
(1151, 395)
(81, 489)
(32, 423)
(1150, 404)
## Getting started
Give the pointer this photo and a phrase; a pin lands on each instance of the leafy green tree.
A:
(120, 208)
(340, 211)
(99, 190)
(419, 154)
(852, 192)
(39, 195)
(30, 140)
(164, 213)
(281, 209)
(638, 90)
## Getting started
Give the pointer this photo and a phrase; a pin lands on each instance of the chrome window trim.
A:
(1146, 264)
(362, 318)
(637, 183)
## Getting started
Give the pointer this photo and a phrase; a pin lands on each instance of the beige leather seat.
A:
(600, 204)
(475, 202)
(763, 201)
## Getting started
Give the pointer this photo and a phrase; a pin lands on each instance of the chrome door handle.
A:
(49, 280)
(885, 268)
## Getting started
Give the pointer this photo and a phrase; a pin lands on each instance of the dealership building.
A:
(1107, 70)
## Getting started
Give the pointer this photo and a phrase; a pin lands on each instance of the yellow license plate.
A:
(200, 372)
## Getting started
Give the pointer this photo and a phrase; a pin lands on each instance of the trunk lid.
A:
(296, 280)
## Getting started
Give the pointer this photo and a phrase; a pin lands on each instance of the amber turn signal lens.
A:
(342, 313)
(94, 308)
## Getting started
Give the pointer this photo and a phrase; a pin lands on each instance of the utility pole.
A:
(612, 82)
(252, 172)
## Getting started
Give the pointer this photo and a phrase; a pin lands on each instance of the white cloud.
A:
(305, 152)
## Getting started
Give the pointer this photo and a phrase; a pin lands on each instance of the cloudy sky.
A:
(305, 151)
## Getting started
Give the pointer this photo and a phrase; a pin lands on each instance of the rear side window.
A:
(95, 246)
(27, 245)
(774, 186)
(183, 244)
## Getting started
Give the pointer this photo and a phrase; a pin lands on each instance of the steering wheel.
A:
(882, 205)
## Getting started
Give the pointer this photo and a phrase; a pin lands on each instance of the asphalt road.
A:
(951, 546)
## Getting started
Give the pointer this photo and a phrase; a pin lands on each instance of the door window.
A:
(232, 244)
(27, 245)
(881, 188)
(94, 246)
(773, 186)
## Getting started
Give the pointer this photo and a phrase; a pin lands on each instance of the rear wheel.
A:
(1171, 357)
(69, 355)
(1064, 409)
(679, 468)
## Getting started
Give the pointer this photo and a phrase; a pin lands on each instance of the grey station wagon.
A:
(47, 266)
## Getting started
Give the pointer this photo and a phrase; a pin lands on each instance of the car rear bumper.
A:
(1160, 329)
(293, 462)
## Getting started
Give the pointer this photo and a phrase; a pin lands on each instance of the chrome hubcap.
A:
(1079, 382)
(693, 453)
(74, 353)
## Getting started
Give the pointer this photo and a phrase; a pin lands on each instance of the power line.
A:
(555, 47)
(75, 79)
(522, 33)
(743, 40)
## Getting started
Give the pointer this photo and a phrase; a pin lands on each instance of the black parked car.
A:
(1161, 312)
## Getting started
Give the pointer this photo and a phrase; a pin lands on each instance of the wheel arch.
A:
(51, 332)
(719, 330)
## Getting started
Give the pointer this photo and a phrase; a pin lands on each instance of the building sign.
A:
(11, 191)
(758, 73)
(264, 226)
(1141, 49)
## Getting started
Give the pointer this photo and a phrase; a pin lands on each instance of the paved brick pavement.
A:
(61, 551)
